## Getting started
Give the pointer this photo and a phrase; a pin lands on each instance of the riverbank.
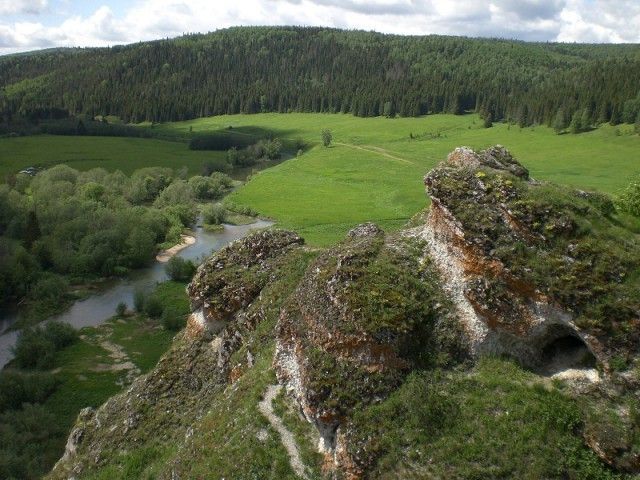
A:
(165, 255)
(101, 305)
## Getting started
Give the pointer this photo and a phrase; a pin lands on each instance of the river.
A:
(98, 308)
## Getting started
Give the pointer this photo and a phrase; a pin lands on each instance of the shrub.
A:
(272, 149)
(139, 300)
(60, 334)
(173, 319)
(223, 179)
(327, 137)
(18, 387)
(179, 269)
(36, 347)
(211, 166)
(214, 214)
(121, 309)
(629, 200)
(153, 307)
(33, 350)
(29, 435)
(211, 187)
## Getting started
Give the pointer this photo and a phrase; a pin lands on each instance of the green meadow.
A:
(111, 153)
(373, 171)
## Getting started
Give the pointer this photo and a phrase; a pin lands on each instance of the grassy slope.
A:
(83, 153)
(81, 367)
(326, 191)
(495, 421)
(85, 370)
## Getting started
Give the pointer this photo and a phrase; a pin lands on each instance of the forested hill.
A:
(285, 69)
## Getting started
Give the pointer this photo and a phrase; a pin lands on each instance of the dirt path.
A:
(376, 150)
(285, 435)
(121, 362)
(165, 255)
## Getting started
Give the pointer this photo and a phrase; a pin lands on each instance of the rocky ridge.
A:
(502, 266)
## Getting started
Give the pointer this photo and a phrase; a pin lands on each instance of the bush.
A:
(18, 387)
(60, 334)
(206, 188)
(153, 307)
(179, 269)
(327, 137)
(36, 347)
(214, 214)
(173, 319)
(629, 200)
(272, 149)
(31, 438)
(121, 309)
(211, 166)
(33, 350)
(139, 298)
(223, 179)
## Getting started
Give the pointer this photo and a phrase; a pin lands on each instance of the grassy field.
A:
(374, 169)
(372, 172)
(84, 153)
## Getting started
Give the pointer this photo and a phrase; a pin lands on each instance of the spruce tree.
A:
(576, 123)
(560, 122)
(585, 120)
(488, 120)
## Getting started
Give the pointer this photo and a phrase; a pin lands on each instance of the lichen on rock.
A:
(520, 257)
(364, 315)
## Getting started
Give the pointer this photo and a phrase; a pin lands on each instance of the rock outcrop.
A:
(521, 264)
(500, 265)
(165, 404)
(365, 314)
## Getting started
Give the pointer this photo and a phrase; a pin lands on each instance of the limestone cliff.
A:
(381, 343)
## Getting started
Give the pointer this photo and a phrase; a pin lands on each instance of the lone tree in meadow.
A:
(487, 120)
(560, 122)
(327, 137)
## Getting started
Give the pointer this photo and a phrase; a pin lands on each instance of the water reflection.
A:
(101, 306)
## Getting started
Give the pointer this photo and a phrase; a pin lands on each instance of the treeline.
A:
(64, 226)
(71, 126)
(284, 69)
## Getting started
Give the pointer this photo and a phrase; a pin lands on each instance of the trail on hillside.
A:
(285, 435)
(376, 150)
(119, 359)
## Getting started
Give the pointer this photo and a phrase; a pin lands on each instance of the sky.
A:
(34, 24)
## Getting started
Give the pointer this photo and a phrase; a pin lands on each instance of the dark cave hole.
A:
(565, 352)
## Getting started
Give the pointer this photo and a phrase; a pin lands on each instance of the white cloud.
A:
(12, 7)
(544, 20)
(601, 21)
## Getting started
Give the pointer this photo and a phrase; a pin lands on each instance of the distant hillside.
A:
(253, 69)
